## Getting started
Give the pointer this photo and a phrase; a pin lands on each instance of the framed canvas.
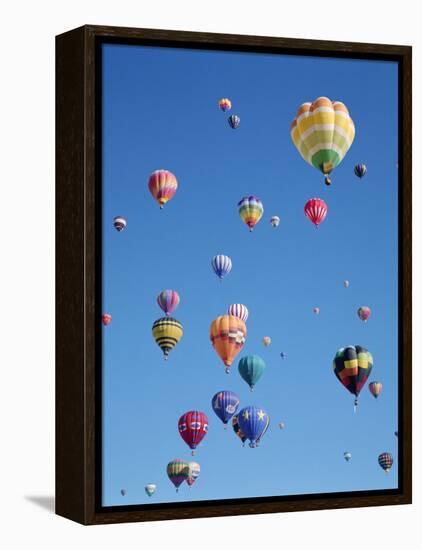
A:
(233, 214)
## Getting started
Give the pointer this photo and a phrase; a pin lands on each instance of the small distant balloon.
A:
(266, 341)
(225, 104)
(275, 221)
(194, 471)
(123, 492)
(222, 265)
(360, 170)
(364, 312)
(234, 121)
(119, 223)
(396, 433)
(106, 319)
(316, 211)
(316, 310)
(375, 388)
(385, 460)
(150, 489)
(177, 471)
(239, 310)
(283, 355)
(347, 456)
(281, 425)
(346, 284)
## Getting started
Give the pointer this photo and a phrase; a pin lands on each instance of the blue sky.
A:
(160, 111)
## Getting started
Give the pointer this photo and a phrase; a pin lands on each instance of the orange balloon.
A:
(228, 334)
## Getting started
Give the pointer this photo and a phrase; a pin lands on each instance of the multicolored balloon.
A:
(316, 310)
(222, 265)
(168, 300)
(225, 104)
(275, 221)
(250, 210)
(251, 368)
(253, 421)
(193, 427)
(375, 388)
(385, 460)
(323, 133)
(352, 366)
(106, 319)
(194, 471)
(234, 121)
(360, 170)
(266, 341)
(163, 186)
(238, 310)
(167, 332)
(150, 489)
(177, 471)
(316, 211)
(347, 456)
(228, 335)
(119, 223)
(237, 430)
(225, 403)
(364, 312)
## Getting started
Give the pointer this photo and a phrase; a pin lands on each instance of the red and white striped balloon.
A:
(238, 310)
(316, 210)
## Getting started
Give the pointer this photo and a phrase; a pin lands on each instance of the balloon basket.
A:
(192, 453)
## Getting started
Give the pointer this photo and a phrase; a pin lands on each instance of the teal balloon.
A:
(251, 368)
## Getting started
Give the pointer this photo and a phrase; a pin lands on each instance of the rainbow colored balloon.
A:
(375, 388)
(225, 104)
(250, 210)
(163, 186)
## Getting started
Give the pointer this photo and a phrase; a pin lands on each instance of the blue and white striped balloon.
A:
(221, 265)
(239, 310)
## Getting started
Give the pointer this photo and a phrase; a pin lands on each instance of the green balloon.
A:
(251, 369)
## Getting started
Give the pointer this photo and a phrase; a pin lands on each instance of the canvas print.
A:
(249, 275)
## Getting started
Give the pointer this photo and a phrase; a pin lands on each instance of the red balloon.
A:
(193, 427)
(106, 319)
(316, 210)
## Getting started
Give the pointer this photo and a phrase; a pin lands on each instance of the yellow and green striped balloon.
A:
(323, 133)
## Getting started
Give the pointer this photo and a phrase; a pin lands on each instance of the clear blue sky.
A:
(160, 111)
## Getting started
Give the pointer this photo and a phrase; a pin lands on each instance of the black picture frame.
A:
(78, 276)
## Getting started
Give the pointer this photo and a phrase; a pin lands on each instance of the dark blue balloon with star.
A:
(253, 421)
(225, 404)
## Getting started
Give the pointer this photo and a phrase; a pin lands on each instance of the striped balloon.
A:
(119, 223)
(168, 300)
(323, 133)
(167, 332)
(225, 104)
(364, 312)
(239, 310)
(163, 186)
(250, 210)
(352, 366)
(227, 335)
(316, 210)
(222, 265)
(177, 471)
(234, 121)
(375, 388)
(385, 460)
(360, 170)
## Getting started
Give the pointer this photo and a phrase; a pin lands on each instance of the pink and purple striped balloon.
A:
(168, 300)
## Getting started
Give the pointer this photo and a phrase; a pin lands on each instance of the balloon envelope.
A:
(119, 223)
(168, 300)
(239, 310)
(251, 368)
(150, 489)
(163, 186)
(234, 121)
(177, 471)
(375, 388)
(253, 421)
(225, 404)
(225, 104)
(385, 460)
(352, 365)
(228, 335)
(251, 210)
(266, 341)
(167, 332)
(275, 221)
(316, 211)
(194, 471)
(360, 170)
(222, 265)
(193, 427)
(364, 312)
(106, 319)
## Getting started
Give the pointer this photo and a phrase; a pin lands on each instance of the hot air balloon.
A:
(106, 319)
(222, 265)
(225, 104)
(267, 425)
(346, 284)
(194, 471)
(234, 121)
(168, 300)
(150, 489)
(193, 427)
(251, 368)
(347, 456)
(225, 404)
(250, 210)
(360, 170)
(316, 310)
(364, 312)
(275, 221)
(119, 223)
(167, 332)
(352, 365)
(266, 341)
(239, 310)
(177, 471)
(123, 492)
(281, 425)
(253, 421)
(163, 186)
(237, 430)
(283, 355)
(385, 460)
(323, 133)
(228, 334)
(375, 388)
(316, 211)
(396, 433)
